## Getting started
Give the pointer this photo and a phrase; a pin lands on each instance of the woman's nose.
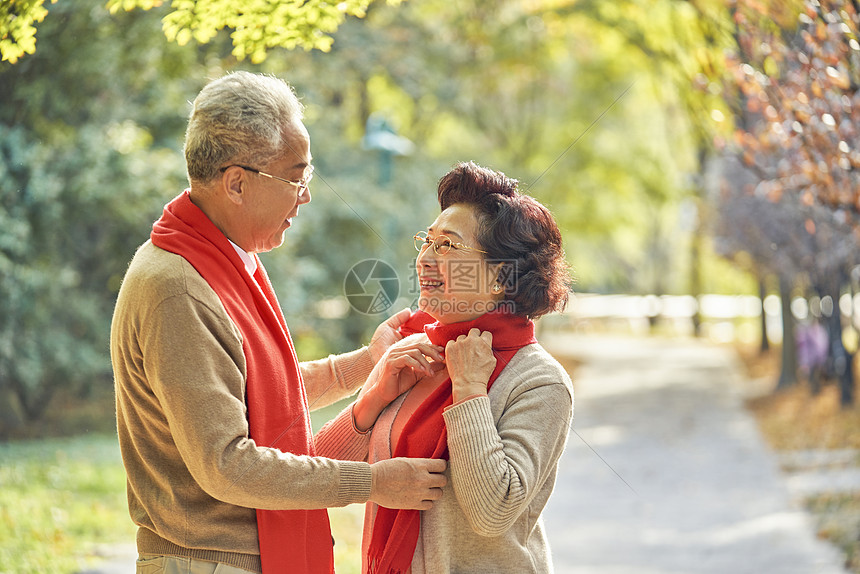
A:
(426, 257)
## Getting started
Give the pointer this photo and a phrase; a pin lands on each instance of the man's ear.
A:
(233, 184)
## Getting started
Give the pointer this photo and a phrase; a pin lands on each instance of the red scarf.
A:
(278, 416)
(395, 532)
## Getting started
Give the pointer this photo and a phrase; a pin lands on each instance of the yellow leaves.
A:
(821, 31)
(115, 6)
(17, 32)
(815, 88)
(770, 67)
(257, 25)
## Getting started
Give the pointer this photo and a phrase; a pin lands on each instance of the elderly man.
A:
(212, 404)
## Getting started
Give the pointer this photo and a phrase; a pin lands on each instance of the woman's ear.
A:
(499, 273)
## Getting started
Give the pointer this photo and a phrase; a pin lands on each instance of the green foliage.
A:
(17, 30)
(573, 102)
(601, 110)
(257, 27)
(82, 176)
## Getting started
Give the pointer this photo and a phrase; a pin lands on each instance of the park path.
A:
(666, 473)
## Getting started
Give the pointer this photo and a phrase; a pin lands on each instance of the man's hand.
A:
(412, 483)
(386, 334)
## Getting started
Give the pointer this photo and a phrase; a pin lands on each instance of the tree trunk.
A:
(696, 276)
(765, 342)
(841, 361)
(788, 371)
(33, 402)
(10, 418)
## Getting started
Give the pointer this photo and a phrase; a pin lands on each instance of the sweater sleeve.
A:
(339, 438)
(192, 357)
(497, 468)
(335, 377)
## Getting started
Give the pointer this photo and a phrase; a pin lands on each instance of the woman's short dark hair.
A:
(517, 231)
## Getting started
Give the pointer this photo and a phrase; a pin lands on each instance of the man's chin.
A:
(276, 242)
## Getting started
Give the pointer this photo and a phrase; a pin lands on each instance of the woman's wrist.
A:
(464, 391)
(366, 410)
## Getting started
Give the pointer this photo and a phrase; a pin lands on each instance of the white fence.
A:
(724, 318)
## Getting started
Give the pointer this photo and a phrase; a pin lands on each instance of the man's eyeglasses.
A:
(301, 185)
(441, 244)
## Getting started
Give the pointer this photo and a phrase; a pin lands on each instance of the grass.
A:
(59, 498)
(794, 419)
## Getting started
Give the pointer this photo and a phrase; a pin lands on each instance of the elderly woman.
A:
(496, 404)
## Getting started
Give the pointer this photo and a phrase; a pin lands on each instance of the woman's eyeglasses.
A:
(441, 244)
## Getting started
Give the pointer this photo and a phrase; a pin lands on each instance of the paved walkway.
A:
(666, 473)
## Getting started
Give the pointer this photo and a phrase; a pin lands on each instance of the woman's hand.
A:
(470, 363)
(404, 364)
(401, 366)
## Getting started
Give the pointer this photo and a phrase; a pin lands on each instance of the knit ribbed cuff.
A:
(469, 420)
(355, 483)
(355, 367)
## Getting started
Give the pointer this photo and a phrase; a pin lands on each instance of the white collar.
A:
(249, 260)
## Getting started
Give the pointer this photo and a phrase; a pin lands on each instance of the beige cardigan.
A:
(504, 452)
(195, 478)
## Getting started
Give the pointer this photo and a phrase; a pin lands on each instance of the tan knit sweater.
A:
(194, 475)
(504, 452)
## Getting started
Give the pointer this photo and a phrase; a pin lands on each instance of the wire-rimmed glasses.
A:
(442, 244)
(301, 185)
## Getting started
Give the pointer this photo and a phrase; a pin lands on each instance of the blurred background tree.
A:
(88, 148)
(794, 86)
(624, 118)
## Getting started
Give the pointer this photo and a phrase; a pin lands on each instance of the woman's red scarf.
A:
(278, 415)
(395, 532)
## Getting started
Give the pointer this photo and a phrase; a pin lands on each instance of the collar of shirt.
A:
(249, 260)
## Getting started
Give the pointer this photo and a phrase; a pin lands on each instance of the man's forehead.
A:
(298, 151)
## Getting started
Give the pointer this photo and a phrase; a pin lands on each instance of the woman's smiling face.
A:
(456, 286)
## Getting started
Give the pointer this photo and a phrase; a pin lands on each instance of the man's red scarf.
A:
(395, 532)
(278, 415)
